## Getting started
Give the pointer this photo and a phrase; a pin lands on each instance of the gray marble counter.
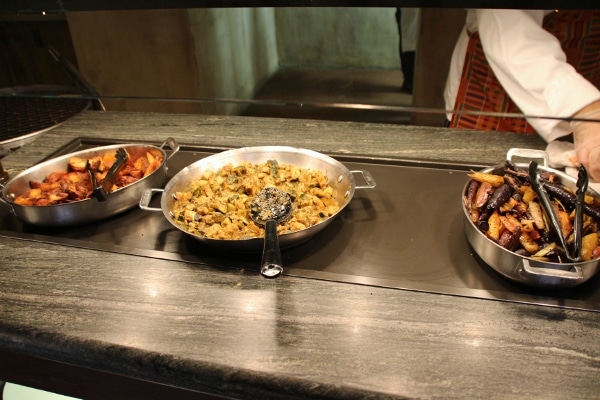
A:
(211, 331)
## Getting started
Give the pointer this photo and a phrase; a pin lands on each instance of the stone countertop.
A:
(223, 332)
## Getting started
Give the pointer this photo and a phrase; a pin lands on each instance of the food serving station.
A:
(373, 242)
(389, 301)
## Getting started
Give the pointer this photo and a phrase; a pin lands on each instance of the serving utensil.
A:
(4, 177)
(77, 78)
(102, 190)
(270, 208)
(582, 184)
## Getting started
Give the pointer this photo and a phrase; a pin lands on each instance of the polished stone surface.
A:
(236, 334)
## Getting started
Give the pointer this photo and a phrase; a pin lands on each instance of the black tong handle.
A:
(582, 185)
(101, 191)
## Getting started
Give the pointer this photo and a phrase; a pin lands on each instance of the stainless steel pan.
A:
(340, 178)
(521, 269)
(29, 111)
(88, 210)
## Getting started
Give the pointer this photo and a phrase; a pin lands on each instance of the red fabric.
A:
(579, 36)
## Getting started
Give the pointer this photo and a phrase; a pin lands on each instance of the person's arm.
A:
(531, 66)
(586, 135)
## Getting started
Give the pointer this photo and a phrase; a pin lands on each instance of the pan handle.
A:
(2, 186)
(367, 177)
(8, 203)
(5, 201)
(147, 197)
(528, 154)
(173, 144)
(537, 272)
(4, 177)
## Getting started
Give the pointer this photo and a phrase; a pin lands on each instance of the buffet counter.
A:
(101, 324)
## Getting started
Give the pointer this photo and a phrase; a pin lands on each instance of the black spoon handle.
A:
(271, 259)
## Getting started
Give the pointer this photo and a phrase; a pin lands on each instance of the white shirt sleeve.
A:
(457, 62)
(531, 66)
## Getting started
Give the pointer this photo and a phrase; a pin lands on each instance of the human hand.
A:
(586, 135)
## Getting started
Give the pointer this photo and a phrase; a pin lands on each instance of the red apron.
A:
(479, 89)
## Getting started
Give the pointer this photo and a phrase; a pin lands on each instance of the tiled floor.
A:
(297, 90)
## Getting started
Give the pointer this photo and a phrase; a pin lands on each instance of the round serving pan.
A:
(340, 179)
(521, 269)
(28, 111)
(88, 210)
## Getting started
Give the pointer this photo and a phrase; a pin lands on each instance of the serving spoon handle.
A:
(271, 265)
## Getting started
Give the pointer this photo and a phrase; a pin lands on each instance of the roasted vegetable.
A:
(493, 180)
(216, 204)
(74, 184)
(506, 209)
(564, 195)
(589, 243)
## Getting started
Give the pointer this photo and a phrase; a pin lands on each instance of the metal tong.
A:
(3, 175)
(77, 78)
(551, 214)
(101, 191)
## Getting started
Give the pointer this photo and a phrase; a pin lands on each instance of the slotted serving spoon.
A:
(270, 208)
